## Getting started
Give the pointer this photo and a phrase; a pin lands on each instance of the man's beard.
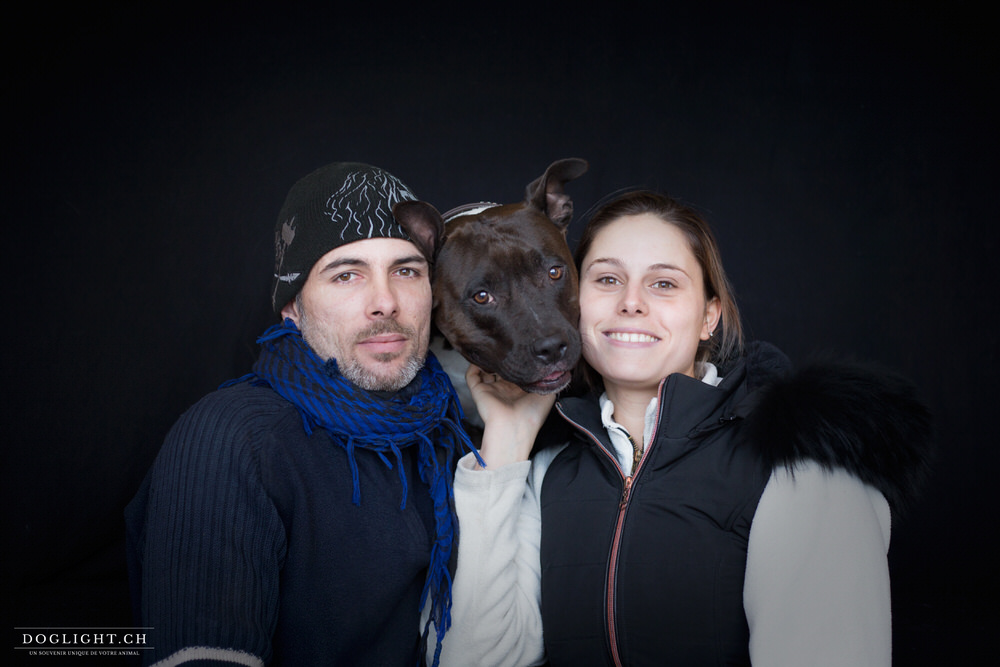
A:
(353, 369)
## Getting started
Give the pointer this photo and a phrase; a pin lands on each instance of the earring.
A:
(711, 334)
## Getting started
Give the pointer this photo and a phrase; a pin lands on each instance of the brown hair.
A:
(728, 339)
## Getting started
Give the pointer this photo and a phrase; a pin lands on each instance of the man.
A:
(300, 515)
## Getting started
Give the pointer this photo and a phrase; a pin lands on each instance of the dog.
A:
(505, 285)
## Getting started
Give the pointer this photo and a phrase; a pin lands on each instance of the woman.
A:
(707, 507)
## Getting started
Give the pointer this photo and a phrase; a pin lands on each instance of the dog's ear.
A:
(423, 224)
(546, 193)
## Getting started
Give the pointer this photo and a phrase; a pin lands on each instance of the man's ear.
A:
(291, 311)
(423, 224)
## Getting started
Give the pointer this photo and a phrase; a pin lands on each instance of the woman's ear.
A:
(713, 311)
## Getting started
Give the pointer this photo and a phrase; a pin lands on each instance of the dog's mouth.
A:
(550, 383)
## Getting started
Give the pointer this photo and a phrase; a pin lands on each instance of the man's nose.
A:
(383, 303)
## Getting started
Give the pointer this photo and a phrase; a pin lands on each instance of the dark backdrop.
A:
(846, 157)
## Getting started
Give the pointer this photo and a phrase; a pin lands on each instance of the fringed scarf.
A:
(357, 418)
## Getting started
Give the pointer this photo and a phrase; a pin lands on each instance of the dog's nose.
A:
(549, 349)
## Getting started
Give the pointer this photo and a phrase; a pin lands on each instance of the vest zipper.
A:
(610, 597)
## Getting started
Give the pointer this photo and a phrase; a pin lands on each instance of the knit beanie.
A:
(335, 205)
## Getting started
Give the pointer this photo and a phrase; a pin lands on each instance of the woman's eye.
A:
(663, 284)
(556, 272)
(482, 297)
(607, 280)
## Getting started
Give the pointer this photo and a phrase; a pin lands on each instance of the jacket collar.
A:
(688, 406)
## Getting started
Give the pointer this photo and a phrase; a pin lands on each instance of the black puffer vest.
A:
(649, 570)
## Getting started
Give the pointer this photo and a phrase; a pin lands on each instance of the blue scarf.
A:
(357, 418)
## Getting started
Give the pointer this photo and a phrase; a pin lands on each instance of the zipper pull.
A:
(628, 489)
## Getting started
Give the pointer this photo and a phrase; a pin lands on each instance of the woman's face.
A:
(642, 303)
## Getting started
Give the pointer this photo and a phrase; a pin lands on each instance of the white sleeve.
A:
(496, 595)
(817, 582)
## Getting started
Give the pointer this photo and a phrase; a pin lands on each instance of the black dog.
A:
(505, 286)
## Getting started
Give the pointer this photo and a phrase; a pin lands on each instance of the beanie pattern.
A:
(335, 205)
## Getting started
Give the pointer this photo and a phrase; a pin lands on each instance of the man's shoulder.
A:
(246, 395)
(240, 410)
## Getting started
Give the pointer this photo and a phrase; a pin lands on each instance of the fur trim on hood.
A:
(858, 417)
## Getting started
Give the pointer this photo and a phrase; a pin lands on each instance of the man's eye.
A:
(482, 297)
(343, 277)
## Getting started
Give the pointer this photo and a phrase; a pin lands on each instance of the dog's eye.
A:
(556, 272)
(482, 297)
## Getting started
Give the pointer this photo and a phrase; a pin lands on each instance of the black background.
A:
(846, 157)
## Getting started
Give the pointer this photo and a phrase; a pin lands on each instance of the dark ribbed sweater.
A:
(243, 538)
